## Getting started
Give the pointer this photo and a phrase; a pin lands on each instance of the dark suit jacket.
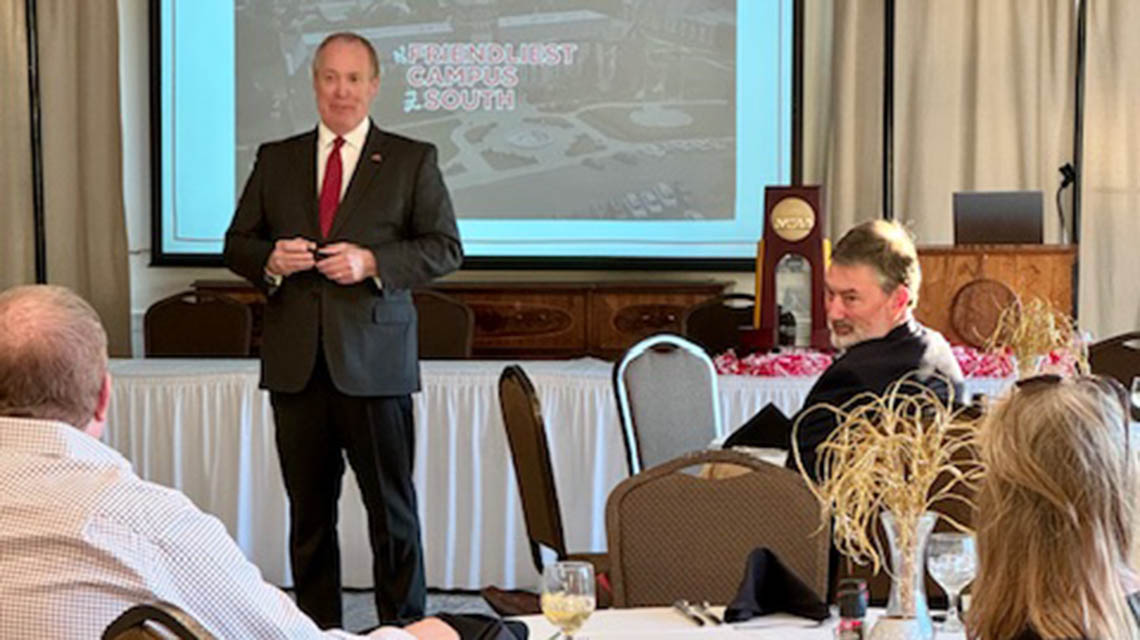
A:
(872, 366)
(396, 205)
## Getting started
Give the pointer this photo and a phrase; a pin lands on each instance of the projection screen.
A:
(621, 130)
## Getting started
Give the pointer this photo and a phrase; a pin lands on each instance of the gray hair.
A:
(888, 249)
(348, 37)
(53, 355)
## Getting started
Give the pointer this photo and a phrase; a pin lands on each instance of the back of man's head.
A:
(53, 355)
(888, 249)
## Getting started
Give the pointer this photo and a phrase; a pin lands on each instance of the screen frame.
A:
(161, 258)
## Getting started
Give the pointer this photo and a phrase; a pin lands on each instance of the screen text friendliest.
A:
(472, 76)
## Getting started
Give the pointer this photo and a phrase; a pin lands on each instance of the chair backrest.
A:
(1118, 357)
(530, 453)
(155, 621)
(446, 325)
(194, 324)
(667, 399)
(715, 323)
(676, 535)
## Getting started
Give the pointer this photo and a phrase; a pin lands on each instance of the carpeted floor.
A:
(360, 609)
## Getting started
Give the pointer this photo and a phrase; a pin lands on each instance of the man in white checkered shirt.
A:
(82, 538)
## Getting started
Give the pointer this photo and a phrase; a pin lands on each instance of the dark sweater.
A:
(872, 365)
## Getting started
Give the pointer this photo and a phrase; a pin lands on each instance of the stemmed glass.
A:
(952, 562)
(568, 595)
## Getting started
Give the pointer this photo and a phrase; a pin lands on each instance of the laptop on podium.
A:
(998, 217)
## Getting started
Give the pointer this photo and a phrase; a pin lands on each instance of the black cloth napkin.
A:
(476, 626)
(769, 428)
(770, 587)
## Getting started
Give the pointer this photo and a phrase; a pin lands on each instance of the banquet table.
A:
(205, 428)
(664, 622)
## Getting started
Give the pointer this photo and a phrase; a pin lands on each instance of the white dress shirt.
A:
(349, 156)
(349, 153)
(82, 539)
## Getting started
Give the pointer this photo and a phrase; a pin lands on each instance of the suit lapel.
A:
(306, 150)
(367, 168)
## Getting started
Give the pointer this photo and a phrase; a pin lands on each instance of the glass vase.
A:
(907, 616)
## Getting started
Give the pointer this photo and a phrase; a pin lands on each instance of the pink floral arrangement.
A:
(1060, 361)
(983, 364)
(789, 362)
(807, 362)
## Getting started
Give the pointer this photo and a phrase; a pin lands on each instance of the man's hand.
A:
(346, 263)
(291, 256)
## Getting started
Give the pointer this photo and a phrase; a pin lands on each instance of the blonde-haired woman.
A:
(1055, 515)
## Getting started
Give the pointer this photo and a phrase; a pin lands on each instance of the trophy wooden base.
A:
(755, 340)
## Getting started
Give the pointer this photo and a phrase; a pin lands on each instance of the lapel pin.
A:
(376, 157)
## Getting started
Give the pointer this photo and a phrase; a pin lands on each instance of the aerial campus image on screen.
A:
(540, 109)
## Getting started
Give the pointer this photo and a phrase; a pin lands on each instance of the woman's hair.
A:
(1055, 513)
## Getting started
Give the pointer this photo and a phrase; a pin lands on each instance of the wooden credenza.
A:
(567, 319)
(548, 319)
(602, 319)
(1029, 270)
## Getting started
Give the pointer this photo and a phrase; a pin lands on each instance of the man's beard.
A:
(847, 340)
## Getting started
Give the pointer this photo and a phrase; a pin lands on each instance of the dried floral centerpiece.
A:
(1038, 335)
(895, 455)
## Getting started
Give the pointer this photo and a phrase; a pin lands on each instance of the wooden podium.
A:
(949, 273)
(1028, 270)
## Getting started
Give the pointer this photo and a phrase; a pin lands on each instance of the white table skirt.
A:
(664, 622)
(203, 427)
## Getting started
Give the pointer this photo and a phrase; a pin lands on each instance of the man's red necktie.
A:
(330, 188)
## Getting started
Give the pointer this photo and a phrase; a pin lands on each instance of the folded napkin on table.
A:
(768, 428)
(770, 587)
(476, 626)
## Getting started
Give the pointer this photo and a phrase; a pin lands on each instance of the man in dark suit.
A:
(336, 225)
(872, 288)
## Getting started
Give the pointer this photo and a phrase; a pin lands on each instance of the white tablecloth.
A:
(203, 427)
(664, 622)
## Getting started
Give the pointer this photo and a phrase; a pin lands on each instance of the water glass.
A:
(952, 561)
(568, 595)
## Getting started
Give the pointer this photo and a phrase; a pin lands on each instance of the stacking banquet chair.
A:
(667, 399)
(155, 621)
(530, 453)
(1118, 357)
(446, 326)
(715, 323)
(672, 534)
(194, 324)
